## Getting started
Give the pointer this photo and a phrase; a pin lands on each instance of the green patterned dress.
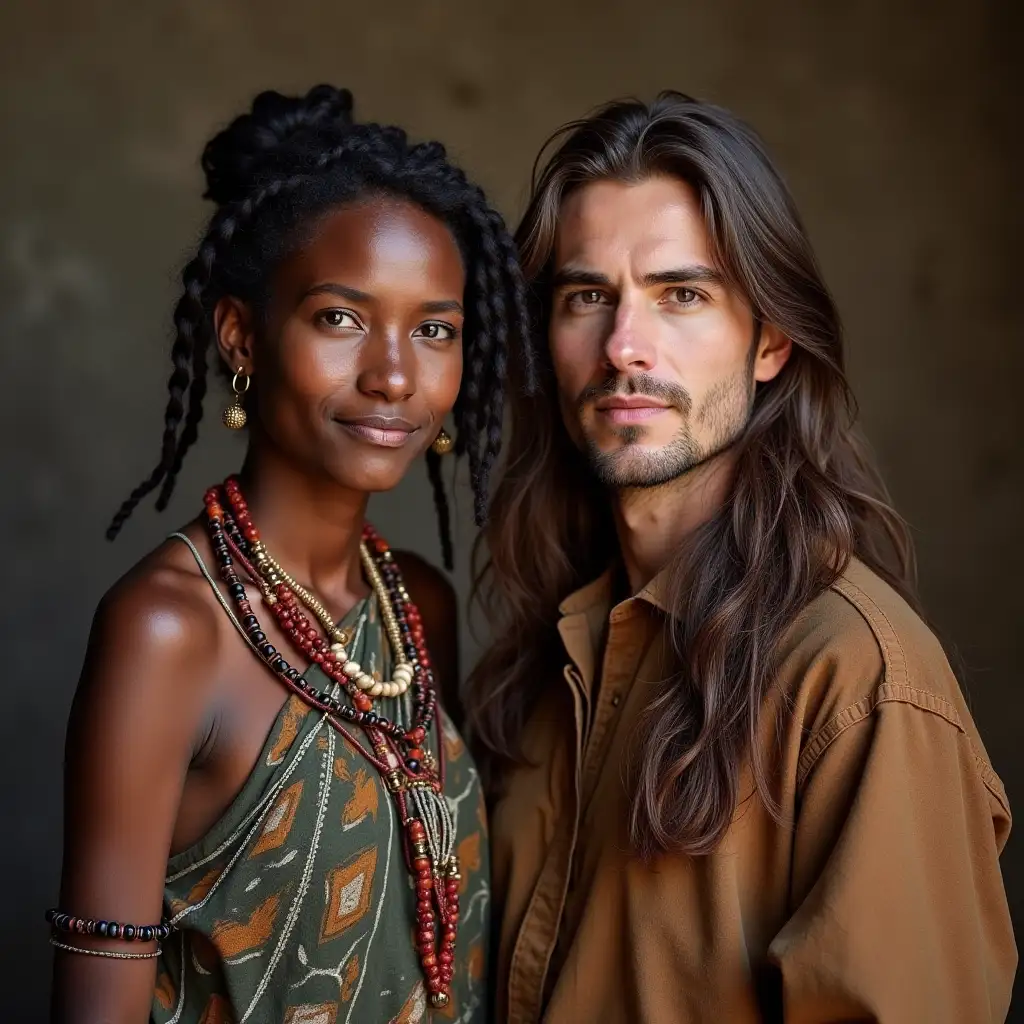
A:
(297, 906)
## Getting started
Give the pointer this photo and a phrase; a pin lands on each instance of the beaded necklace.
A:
(413, 778)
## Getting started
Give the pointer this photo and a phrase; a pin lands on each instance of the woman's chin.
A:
(370, 479)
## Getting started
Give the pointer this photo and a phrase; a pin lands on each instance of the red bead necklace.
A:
(412, 776)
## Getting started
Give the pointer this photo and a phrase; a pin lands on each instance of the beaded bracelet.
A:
(72, 925)
(112, 953)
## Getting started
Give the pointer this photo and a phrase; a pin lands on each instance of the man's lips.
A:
(386, 431)
(624, 409)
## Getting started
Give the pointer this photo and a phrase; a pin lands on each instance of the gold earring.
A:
(442, 444)
(234, 414)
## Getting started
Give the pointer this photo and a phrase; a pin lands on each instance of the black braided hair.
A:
(272, 172)
(441, 504)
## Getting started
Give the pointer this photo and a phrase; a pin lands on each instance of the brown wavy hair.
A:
(806, 496)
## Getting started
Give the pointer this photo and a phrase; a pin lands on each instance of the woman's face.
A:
(361, 356)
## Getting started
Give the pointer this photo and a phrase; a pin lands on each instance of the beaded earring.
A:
(234, 414)
(442, 444)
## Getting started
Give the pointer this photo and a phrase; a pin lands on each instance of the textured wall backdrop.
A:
(895, 122)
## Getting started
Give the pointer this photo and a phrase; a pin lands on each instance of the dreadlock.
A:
(272, 172)
(441, 504)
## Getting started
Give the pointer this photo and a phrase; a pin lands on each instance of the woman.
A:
(257, 699)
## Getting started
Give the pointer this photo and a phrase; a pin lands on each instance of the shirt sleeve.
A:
(899, 912)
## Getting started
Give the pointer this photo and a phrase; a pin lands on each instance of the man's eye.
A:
(684, 296)
(588, 297)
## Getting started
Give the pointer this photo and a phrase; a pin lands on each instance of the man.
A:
(754, 791)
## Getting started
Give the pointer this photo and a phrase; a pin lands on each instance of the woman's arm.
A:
(131, 735)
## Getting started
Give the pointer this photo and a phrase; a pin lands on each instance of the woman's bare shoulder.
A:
(155, 634)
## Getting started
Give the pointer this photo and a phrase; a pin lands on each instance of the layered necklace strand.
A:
(413, 777)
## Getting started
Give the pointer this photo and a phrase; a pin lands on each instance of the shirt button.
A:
(615, 700)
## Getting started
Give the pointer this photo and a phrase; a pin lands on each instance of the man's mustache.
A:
(637, 384)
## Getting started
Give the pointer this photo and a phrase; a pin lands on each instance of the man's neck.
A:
(655, 523)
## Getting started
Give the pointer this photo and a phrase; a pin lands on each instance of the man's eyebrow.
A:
(578, 276)
(697, 273)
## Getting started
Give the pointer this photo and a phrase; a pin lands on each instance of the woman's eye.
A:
(436, 331)
(337, 318)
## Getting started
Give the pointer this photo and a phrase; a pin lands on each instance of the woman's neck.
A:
(310, 525)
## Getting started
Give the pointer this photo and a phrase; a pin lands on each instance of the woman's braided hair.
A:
(272, 173)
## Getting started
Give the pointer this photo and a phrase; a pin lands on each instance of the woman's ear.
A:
(233, 329)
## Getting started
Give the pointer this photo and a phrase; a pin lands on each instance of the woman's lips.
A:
(385, 431)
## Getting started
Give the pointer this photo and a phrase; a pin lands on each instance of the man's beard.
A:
(725, 412)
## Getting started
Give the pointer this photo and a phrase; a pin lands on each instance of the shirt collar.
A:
(657, 591)
(598, 594)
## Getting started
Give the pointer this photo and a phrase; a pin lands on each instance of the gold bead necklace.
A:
(273, 575)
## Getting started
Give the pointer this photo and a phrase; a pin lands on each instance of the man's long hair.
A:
(806, 497)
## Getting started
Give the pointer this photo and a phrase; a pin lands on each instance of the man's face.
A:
(655, 354)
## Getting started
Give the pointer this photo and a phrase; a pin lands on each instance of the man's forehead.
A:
(645, 223)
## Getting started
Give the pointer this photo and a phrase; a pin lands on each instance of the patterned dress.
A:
(297, 906)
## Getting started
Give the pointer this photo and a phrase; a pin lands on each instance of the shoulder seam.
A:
(857, 712)
(895, 688)
(890, 693)
(893, 656)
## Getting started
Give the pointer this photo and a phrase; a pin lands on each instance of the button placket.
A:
(619, 677)
(538, 933)
(620, 664)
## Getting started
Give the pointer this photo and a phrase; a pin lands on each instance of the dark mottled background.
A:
(897, 125)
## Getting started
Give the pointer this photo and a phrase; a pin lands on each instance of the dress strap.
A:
(208, 576)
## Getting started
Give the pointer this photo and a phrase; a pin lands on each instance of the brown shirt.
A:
(881, 900)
